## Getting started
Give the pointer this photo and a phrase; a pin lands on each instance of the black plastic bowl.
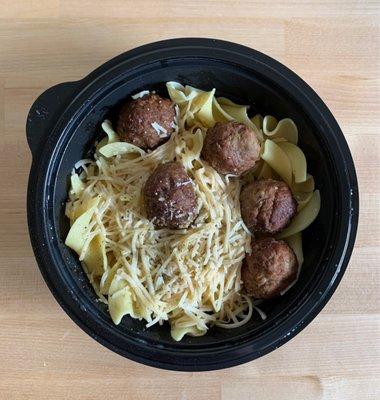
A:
(61, 128)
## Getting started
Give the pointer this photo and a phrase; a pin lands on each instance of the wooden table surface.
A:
(335, 47)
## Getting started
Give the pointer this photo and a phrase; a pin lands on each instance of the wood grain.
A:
(335, 47)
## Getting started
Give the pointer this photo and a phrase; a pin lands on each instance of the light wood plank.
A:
(29, 9)
(199, 9)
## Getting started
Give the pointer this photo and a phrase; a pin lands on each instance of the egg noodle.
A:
(188, 277)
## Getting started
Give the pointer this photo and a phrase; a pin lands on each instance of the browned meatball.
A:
(270, 268)
(231, 148)
(267, 206)
(169, 195)
(140, 119)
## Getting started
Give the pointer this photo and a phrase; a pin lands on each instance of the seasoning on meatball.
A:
(270, 268)
(267, 206)
(231, 148)
(169, 196)
(147, 121)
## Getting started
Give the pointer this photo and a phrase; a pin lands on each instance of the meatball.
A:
(267, 206)
(169, 196)
(146, 122)
(231, 148)
(270, 268)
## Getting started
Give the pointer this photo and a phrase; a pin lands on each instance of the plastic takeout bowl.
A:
(61, 128)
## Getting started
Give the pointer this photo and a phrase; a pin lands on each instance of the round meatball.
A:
(169, 196)
(267, 206)
(146, 122)
(270, 268)
(231, 148)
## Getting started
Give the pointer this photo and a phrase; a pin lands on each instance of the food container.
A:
(61, 128)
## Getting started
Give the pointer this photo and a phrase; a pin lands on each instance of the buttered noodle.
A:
(188, 277)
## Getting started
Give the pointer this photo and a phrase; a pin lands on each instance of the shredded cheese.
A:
(140, 94)
(161, 131)
(189, 277)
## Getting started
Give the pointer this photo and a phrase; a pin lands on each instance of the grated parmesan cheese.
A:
(140, 94)
(161, 131)
(189, 277)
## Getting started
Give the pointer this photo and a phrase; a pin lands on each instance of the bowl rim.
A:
(44, 150)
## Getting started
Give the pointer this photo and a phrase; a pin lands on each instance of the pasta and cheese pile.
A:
(188, 277)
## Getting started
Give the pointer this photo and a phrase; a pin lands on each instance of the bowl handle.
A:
(45, 112)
